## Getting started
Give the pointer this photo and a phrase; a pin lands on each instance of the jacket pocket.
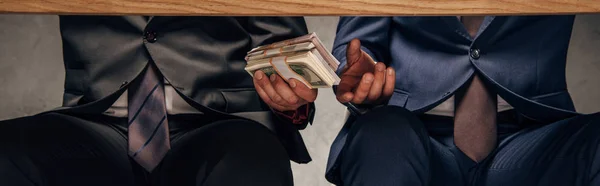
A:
(242, 100)
(399, 98)
(559, 99)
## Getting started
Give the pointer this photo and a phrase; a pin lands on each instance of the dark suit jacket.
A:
(522, 58)
(202, 57)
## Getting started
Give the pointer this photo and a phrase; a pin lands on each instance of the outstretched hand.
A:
(363, 81)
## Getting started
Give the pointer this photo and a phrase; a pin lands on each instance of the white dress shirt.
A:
(174, 103)
(446, 108)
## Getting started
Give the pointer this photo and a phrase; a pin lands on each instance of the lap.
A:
(228, 152)
(59, 149)
(560, 153)
(386, 146)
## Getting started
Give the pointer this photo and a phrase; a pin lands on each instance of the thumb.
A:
(353, 52)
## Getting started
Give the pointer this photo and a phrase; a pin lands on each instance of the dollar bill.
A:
(308, 76)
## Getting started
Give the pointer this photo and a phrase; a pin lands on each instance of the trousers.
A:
(391, 146)
(64, 149)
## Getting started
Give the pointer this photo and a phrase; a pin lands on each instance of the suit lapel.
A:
(459, 28)
(485, 24)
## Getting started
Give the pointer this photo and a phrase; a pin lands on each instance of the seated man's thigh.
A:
(59, 149)
(560, 153)
(229, 152)
(386, 146)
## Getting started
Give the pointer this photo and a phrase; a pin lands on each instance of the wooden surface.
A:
(300, 7)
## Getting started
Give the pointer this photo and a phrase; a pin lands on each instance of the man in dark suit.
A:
(163, 101)
(468, 100)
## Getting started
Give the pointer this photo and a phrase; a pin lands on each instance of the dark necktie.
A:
(475, 110)
(147, 116)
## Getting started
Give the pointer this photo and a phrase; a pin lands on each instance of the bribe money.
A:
(303, 58)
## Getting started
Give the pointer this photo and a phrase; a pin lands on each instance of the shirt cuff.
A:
(299, 117)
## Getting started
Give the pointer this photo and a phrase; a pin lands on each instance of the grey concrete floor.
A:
(32, 77)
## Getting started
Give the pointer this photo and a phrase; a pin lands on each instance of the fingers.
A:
(372, 87)
(275, 92)
(305, 93)
(344, 97)
(353, 52)
(390, 82)
(376, 87)
(358, 60)
(358, 63)
(263, 95)
(284, 90)
(361, 92)
(264, 83)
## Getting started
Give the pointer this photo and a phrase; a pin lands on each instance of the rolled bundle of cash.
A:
(303, 58)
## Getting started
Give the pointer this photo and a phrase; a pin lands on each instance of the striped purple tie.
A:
(148, 126)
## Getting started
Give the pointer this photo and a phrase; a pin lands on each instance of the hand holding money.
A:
(282, 96)
(288, 73)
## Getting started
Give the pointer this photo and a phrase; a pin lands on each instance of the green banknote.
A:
(308, 75)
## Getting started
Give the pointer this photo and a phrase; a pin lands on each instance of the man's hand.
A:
(280, 95)
(363, 81)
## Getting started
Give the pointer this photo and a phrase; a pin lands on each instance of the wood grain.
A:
(300, 7)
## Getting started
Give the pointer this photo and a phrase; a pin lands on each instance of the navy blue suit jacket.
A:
(523, 59)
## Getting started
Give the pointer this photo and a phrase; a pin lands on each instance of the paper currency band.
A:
(272, 51)
(279, 44)
(282, 68)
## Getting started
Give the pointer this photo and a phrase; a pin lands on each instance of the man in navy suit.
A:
(467, 100)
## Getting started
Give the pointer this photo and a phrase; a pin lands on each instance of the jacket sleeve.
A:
(373, 33)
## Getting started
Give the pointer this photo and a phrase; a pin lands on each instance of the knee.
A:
(387, 124)
(250, 141)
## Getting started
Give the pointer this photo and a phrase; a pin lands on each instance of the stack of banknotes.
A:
(303, 58)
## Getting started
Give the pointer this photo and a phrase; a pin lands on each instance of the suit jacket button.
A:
(150, 36)
(475, 53)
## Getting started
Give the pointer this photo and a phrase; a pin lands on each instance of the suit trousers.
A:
(391, 146)
(75, 149)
